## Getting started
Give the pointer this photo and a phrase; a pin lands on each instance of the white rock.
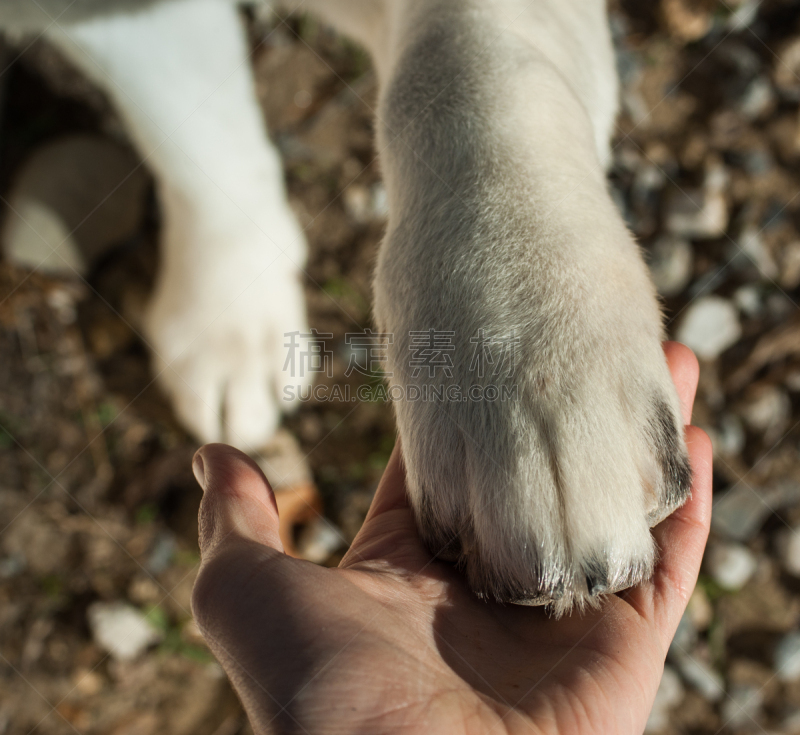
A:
(787, 657)
(766, 410)
(709, 327)
(748, 300)
(730, 565)
(121, 629)
(743, 16)
(671, 260)
(380, 201)
(356, 202)
(366, 205)
(701, 677)
(36, 237)
(670, 693)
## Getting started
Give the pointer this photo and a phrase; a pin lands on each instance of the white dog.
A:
(493, 127)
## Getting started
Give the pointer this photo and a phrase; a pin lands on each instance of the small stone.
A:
(757, 99)
(699, 609)
(757, 161)
(792, 381)
(62, 301)
(87, 681)
(670, 693)
(779, 306)
(142, 590)
(685, 20)
(788, 548)
(730, 436)
(356, 203)
(730, 565)
(709, 327)
(739, 513)
(162, 551)
(697, 215)
(743, 16)
(380, 201)
(365, 205)
(787, 70)
(786, 659)
(748, 300)
(701, 677)
(790, 265)
(72, 200)
(318, 540)
(685, 637)
(766, 409)
(12, 565)
(742, 706)
(649, 178)
(750, 251)
(700, 214)
(121, 629)
(671, 260)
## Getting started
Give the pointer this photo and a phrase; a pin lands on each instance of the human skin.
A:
(394, 641)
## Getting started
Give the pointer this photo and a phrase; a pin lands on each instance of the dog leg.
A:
(229, 286)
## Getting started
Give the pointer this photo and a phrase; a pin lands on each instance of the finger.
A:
(685, 372)
(391, 492)
(681, 539)
(389, 531)
(238, 502)
(249, 597)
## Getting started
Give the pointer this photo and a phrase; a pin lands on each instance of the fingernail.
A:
(199, 471)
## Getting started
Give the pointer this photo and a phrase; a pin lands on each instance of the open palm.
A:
(394, 641)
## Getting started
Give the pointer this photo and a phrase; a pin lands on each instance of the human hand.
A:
(393, 640)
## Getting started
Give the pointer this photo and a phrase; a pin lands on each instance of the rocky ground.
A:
(98, 541)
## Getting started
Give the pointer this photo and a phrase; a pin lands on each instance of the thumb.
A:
(243, 596)
(238, 503)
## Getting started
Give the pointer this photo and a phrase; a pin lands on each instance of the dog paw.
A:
(218, 335)
(541, 475)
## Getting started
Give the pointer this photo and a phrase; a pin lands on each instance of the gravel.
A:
(706, 171)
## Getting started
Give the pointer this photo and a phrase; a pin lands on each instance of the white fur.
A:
(493, 129)
(229, 285)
